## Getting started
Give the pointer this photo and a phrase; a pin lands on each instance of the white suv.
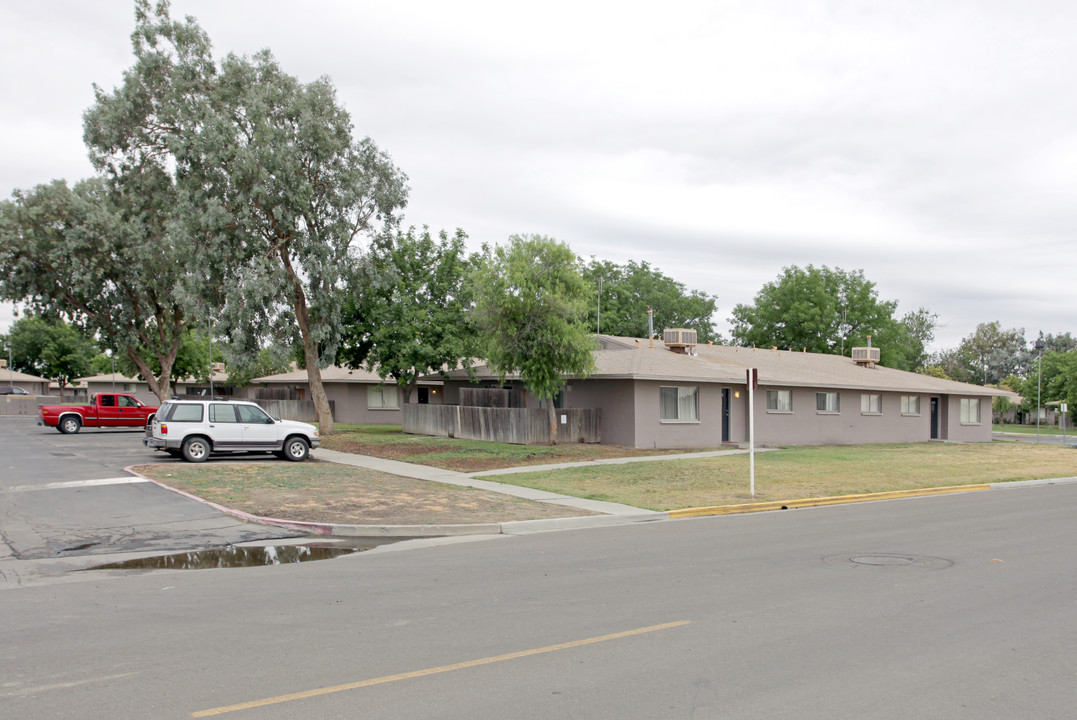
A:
(194, 429)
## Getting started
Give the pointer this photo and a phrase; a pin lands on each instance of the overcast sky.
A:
(930, 144)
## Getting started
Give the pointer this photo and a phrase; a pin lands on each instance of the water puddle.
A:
(247, 556)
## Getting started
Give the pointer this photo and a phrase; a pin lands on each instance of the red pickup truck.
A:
(104, 410)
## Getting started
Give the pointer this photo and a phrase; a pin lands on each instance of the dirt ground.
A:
(320, 492)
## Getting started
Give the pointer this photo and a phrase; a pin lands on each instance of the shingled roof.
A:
(641, 359)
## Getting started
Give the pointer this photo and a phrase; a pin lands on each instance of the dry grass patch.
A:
(327, 493)
(797, 473)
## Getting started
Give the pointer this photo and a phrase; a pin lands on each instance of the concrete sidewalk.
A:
(451, 477)
(611, 513)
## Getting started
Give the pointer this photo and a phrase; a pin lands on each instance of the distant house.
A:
(84, 388)
(683, 395)
(357, 396)
(30, 383)
(81, 389)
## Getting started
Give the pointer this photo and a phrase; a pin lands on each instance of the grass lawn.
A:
(322, 492)
(807, 472)
(386, 441)
(1031, 430)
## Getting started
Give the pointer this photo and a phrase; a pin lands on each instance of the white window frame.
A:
(970, 411)
(830, 402)
(871, 404)
(910, 405)
(686, 403)
(379, 397)
(777, 405)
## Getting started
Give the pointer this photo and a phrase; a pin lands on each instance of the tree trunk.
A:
(552, 412)
(317, 390)
(161, 387)
(314, 372)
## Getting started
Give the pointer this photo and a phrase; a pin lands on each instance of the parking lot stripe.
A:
(77, 484)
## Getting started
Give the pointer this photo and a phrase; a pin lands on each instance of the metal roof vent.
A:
(680, 339)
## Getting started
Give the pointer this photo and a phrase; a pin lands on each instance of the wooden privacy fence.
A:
(302, 410)
(518, 426)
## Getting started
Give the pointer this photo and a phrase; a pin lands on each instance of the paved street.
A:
(1068, 439)
(956, 606)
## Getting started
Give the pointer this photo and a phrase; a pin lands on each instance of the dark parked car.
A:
(13, 390)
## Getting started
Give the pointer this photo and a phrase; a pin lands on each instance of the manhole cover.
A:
(882, 560)
(925, 562)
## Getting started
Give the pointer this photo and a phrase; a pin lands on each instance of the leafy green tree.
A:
(822, 310)
(986, 356)
(934, 371)
(1057, 383)
(192, 359)
(530, 311)
(626, 292)
(405, 311)
(51, 349)
(102, 256)
(271, 183)
(270, 360)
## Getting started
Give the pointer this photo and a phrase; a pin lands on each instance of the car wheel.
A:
(196, 449)
(69, 425)
(296, 449)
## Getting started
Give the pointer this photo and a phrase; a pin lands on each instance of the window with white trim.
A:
(779, 401)
(382, 397)
(827, 402)
(871, 404)
(679, 404)
(910, 404)
(970, 411)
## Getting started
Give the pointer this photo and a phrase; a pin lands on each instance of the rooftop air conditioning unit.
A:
(678, 339)
(866, 356)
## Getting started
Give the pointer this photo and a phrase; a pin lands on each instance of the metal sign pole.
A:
(752, 380)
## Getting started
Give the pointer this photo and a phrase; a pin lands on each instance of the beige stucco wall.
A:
(807, 426)
(350, 403)
(616, 401)
(956, 431)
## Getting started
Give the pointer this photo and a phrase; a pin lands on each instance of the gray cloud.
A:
(929, 144)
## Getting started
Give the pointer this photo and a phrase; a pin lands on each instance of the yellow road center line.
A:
(432, 671)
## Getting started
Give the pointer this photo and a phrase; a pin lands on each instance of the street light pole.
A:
(1039, 345)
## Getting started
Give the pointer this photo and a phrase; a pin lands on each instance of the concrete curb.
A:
(820, 502)
(523, 527)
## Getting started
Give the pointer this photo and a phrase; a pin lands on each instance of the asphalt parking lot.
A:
(67, 496)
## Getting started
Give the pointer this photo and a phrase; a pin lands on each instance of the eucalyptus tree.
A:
(530, 310)
(405, 311)
(100, 255)
(272, 191)
(278, 159)
(986, 356)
